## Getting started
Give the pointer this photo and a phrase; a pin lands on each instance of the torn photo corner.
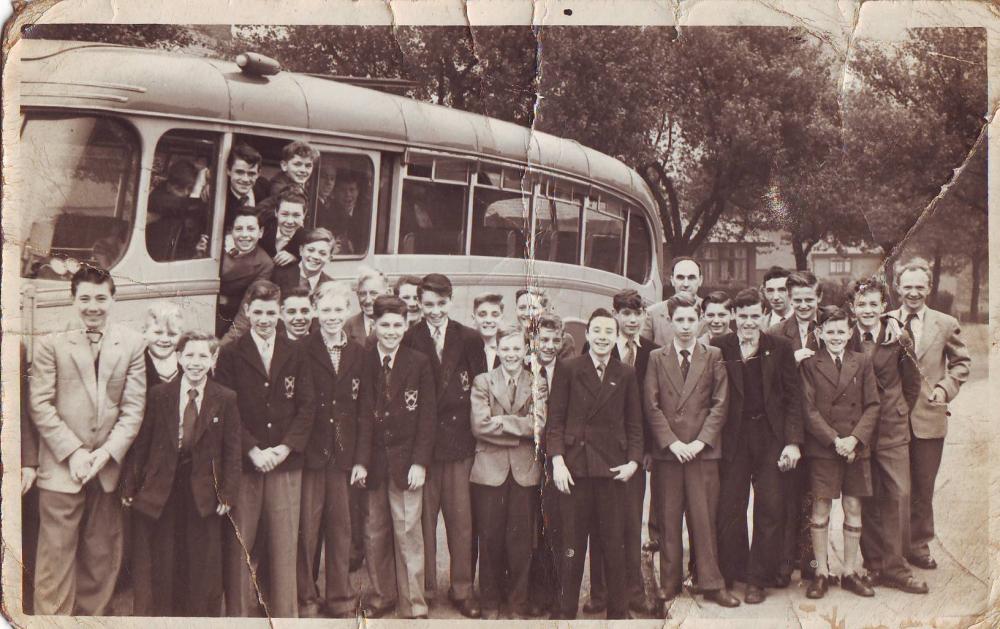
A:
(276, 283)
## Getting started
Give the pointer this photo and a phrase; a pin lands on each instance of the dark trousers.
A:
(755, 463)
(885, 516)
(544, 579)
(29, 547)
(635, 494)
(446, 491)
(359, 515)
(595, 507)
(506, 519)
(79, 551)
(925, 460)
(796, 544)
(184, 576)
(325, 520)
(690, 489)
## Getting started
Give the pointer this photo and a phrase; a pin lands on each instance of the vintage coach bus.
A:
(493, 205)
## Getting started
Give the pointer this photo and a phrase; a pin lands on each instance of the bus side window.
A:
(499, 214)
(344, 201)
(605, 235)
(640, 252)
(432, 217)
(179, 209)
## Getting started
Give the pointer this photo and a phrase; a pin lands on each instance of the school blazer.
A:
(782, 391)
(335, 424)
(942, 360)
(839, 404)
(509, 448)
(397, 433)
(275, 409)
(657, 326)
(594, 425)
(686, 410)
(789, 330)
(462, 359)
(290, 276)
(897, 383)
(73, 407)
(354, 328)
(215, 454)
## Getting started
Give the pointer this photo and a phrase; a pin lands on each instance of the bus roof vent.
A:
(257, 64)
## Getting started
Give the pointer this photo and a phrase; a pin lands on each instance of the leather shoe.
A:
(723, 598)
(377, 612)
(468, 608)
(594, 606)
(872, 578)
(854, 583)
(754, 595)
(818, 587)
(926, 562)
(641, 607)
(781, 581)
(909, 585)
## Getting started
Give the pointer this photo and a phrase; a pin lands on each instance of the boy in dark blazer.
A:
(335, 364)
(841, 409)
(761, 442)
(633, 350)
(685, 397)
(885, 515)
(186, 475)
(457, 356)
(594, 439)
(508, 414)
(271, 378)
(395, 446)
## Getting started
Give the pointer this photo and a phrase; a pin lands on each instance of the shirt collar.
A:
(338, 341)
(678, 347)
(392, 356)
(250, 199)
(186, 386)
(623, 341)
(920, 313)
(597, 361)
(262, 342)
(874, 333)
(834, 356)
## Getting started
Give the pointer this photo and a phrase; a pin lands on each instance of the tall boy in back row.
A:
(456, 355)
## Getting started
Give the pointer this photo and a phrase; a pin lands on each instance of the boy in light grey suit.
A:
(508, 414)
(87, 395)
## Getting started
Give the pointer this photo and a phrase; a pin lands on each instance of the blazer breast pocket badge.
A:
(464, 377)
(289, 387)
(355, 387)
(215, 420)
(410, 399)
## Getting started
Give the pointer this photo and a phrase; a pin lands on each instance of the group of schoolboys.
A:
(532, 454)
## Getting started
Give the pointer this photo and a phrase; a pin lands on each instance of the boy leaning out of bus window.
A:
(239, 270)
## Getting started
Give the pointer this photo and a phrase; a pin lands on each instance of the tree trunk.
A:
(801, 255)
(977, 263)
(935, 275)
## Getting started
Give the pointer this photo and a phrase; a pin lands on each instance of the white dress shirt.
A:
(773, 319)
(491, 353)
(690, 350)
(804, 332)
(185, 387)
(623, 346)
(265, 347)
(918, 324)
(392, 357)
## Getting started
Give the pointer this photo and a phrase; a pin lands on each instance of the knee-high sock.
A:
(820, 533)
(852, 542)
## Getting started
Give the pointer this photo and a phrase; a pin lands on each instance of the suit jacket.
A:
(942, 360)
(260, 191)
(507, 448)
(73, 407)
(782, 391)
(269, 236)
(657, 327)
(642, 353)
(135, 465)
(594, 425)
(276, 408)
(679, 409)
(290, 276)
(839, 404)
(355, 330)
(335, 427)
(215, 453)
(29, 434)
(395, 429)
(789, 330)
(897, 383)
(462, 359)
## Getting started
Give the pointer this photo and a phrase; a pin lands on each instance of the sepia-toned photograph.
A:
(638, 315)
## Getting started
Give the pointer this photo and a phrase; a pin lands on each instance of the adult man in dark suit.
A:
(395, 447)
(594, 439)
(630, 311)
(761, 439)
(685, 398)
(457, 357)
(87, 394)
(274, 387)
(942, 360)
(799, 330)
(335, 364)
(885, 516)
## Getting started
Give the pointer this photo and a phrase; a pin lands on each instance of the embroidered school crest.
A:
(355, 387)
(410, 398)
(464, 377)
(289, 387)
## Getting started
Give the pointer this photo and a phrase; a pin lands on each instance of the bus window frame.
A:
(474, 184)
(410, 155)
(597, 202)
(323, 146)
